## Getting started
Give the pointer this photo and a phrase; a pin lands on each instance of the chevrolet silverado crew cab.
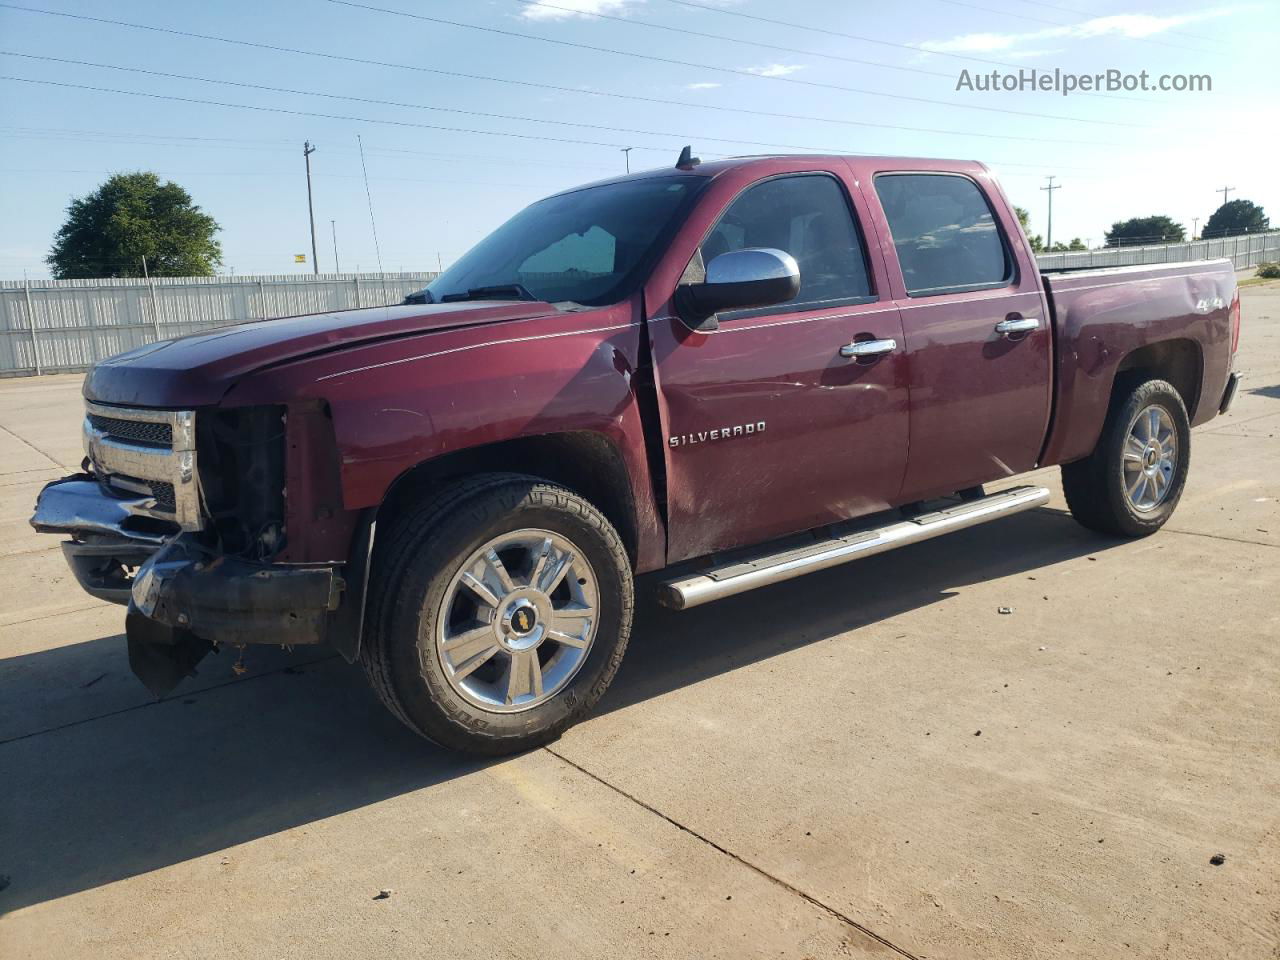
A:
(728, 374)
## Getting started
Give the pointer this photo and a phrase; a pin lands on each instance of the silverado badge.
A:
(720, 433)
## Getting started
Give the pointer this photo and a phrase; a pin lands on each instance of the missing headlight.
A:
(242, 476)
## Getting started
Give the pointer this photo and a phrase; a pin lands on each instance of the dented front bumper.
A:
(184, 598)
(107, 536)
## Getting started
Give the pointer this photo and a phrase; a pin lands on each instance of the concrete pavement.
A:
(870, 761)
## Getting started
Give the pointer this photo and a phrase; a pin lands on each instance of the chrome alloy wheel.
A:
(517, 620)
(1150, 458)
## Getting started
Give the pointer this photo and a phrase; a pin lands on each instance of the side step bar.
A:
(742, 575)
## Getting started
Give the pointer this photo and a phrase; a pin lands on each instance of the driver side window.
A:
(807, 216)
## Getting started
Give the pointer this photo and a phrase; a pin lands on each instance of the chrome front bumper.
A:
(107, 541)
(184, 599)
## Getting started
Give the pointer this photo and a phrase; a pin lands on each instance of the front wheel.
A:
(1131, 483)
(499, 615)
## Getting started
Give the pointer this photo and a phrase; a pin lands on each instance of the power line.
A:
(422, 106)
(406, 123)
(310, 113)
(670, 61)
(826, 32)
(632, 22)
(275, 48)
(43, 171)
(372, 222)
(279, 146)
(722, 37)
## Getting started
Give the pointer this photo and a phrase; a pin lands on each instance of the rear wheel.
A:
(1131, 483)
(499, 614)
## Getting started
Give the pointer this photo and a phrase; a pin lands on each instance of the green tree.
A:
(1140, 230)
(1024, 217)
(1237, 216)
(131, 216)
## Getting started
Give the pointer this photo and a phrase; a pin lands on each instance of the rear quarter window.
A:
(945, 233)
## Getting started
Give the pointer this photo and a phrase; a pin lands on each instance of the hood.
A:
(197, 370)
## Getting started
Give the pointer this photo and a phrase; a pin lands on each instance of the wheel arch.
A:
(1178, 361)
(585, 461)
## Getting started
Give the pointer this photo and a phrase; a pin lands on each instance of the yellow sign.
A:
(299, 258)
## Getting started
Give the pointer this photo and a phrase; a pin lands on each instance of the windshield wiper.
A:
(499, 291)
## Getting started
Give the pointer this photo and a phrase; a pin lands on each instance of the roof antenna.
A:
(687, 160)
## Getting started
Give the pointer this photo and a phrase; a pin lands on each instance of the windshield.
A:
(587, 247)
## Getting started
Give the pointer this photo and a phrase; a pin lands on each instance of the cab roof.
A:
(714, 168)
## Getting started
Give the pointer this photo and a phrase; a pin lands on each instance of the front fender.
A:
(397, 404)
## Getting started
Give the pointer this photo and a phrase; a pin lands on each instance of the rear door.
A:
(768, 430)
(977, 332)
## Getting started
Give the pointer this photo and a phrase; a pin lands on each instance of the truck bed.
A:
(1102, 315)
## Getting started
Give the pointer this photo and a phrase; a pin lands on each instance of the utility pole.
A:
(1195, 223)
(1225, 191)
(307, 151)
(626, 152)
(1048, 242)
(334, 230)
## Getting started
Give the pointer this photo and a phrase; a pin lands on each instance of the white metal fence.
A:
(60, 326)
(1246, 250)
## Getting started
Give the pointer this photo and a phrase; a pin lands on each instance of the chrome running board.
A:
(739, 576)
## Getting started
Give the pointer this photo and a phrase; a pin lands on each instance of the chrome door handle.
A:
(1015, 324)
(868, 348)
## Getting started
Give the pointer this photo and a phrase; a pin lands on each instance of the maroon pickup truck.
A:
(732, 372)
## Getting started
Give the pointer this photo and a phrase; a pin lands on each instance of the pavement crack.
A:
(27, 553)
(790, 888)
(169, 699)
(50, 616)
(1066, 515)
(21, 439)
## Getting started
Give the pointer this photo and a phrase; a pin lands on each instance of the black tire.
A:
(1095, 486)
(414, 565)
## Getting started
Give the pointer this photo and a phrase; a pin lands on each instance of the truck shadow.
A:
(135, 788)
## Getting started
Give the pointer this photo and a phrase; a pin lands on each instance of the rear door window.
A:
(945, 233)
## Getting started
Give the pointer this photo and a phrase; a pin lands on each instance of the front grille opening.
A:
(142, 432)
(127, 488)
(165, 498)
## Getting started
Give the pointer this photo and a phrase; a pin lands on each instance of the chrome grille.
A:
(134, 431)
(151, 454)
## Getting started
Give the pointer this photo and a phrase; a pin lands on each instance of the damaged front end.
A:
(181, 517)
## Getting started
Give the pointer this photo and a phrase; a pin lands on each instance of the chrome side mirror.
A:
(740, 280)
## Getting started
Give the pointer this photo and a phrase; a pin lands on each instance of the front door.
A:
(768, 428)
(977, 333)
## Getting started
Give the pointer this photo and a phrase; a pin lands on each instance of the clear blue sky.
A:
(437, 191)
